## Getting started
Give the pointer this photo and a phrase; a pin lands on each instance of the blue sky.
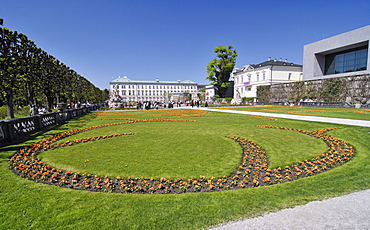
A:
(174, 39)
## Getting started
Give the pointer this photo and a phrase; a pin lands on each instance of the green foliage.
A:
(220, 68)
(18, 112)
(264, 94)
(248, 99)
(333, 89)
(45, 79)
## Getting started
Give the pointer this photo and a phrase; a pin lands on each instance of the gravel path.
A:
(364, 123)
(350, 211)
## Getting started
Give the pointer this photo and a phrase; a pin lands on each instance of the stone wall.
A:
(346, 91)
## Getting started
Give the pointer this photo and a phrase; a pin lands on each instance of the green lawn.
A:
(174, 149)
(360, 114)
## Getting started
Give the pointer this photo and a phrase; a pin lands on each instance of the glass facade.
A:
(347, 61)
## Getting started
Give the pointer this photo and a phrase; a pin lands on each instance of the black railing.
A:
(15, 130)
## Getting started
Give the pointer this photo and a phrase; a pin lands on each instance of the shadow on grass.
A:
(23, 142)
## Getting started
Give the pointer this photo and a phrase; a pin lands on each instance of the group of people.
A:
(34, 110)
(148, 105)
(191, 103)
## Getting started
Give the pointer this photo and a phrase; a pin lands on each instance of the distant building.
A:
(342, 55)
(124, 90)
(269, 72)
(210, 92)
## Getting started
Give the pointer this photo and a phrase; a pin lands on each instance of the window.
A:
(258, 77)
(263, 76)
(249, 78)
(346, 61)
(289, 76)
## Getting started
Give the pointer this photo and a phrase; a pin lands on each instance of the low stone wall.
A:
(353, 91)
(17, 129)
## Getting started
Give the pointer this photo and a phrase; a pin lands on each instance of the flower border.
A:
(252, 172)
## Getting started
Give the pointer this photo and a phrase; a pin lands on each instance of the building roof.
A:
(157, 81)
(269, 62)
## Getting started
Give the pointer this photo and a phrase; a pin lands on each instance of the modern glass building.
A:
(343, 55)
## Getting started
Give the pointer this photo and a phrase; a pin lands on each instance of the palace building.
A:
(125, 90)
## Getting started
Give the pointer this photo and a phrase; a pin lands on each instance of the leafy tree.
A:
(220, 68)
(25, 66)
(9, 67)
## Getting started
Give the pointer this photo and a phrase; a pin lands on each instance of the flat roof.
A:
(127, 80)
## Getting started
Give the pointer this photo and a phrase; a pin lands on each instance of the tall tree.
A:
(10, 68)
(25, 66)
(220, 68)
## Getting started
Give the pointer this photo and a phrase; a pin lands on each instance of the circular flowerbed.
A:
(253, 169)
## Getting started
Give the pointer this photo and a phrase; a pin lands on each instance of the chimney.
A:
(157, 80)
(281, 59)
(286, 60)
(269, 59)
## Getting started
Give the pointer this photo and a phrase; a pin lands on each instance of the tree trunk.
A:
(30, 95)
(50, 100)
(9, 104)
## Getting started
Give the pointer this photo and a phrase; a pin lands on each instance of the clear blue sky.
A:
(174, 39)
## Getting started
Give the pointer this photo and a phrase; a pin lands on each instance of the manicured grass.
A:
(171, 150)
(30, 205)
(360, 114)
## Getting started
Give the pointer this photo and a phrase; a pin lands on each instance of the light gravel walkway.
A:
(350, 211)
(364, 123)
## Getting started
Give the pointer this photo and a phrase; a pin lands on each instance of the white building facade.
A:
(125, 90)
(342, 55)
(210, 92)
(247, 79)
